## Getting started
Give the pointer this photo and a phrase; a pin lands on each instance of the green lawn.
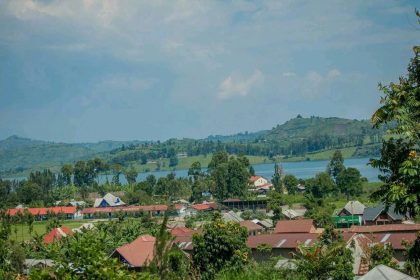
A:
(40, 228)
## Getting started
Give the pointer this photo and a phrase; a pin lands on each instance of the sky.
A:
(89, 70)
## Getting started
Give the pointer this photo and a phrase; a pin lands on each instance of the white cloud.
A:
(238, 86)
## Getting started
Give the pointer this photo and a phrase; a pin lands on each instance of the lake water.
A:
(301, 169)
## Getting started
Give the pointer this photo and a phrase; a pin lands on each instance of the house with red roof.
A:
(42, 213)
(109, 212)
(252, 228)
(389, 228)
(359, 244)
(57, 234)
(178, 231)
(283, 244)
(138, 253)
(202, 207)
(259, 184)
(295, 226)
(257, 181)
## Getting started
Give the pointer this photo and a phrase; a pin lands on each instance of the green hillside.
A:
(297, 139)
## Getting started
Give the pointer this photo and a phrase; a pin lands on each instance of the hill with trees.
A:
(297, 137)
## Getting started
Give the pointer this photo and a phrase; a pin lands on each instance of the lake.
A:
(301, 169)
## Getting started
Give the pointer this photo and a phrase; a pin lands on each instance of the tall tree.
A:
(222, 245)
(218, 158)
(67, 172)
(276, 180)
(131, 175)
(290, 182)
(336, 164)
(400, 106)
(320, 186)
(349, 182)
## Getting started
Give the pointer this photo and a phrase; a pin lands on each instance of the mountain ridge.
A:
(296, 136)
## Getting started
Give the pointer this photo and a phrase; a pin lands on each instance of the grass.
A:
(39, 228)
(186, 162)
(321, 155)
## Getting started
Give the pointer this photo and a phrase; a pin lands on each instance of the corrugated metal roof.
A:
(43, 210)
(355, 207)
(250, 226)
(297, 226)
(385, 228)
(56, 234)
(371, 213)
(383, 272)
(139, 252)
(282, 240)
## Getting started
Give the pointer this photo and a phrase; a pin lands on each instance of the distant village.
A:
(359, 225)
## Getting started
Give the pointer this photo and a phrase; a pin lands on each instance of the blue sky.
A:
(77, 71)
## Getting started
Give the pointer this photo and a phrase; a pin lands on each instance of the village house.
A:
(283, 244)
(56, 234)
(110, 212)
(42, 213)
(383, 272)
(109, 200)
(267, 224)
(203, 207)
(138, 253)
(28, 264)
(352, 208)
(295, 226)
(379, 215)
(231, 216)
(390, 228)
(259, 184)
(359, 244)
(350, 214)
(252, 228)
(257, 181)
(75, 203)
(293, 213)
(235, 203)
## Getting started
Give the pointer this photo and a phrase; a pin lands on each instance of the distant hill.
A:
(243, 136)
(295, 138)
(308, 127)
(18, 153)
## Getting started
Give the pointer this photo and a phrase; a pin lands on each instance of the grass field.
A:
(22, 231)
(186, 162)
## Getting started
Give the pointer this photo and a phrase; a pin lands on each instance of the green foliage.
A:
(380, 254)
(229, 175)
(275, 200)
(320, 186)
(172, 187)
(325, 261)
(399, 160)
(336, 165)
(250, 215)
(290, 182)
(319, 211)
(349, 182)
(276, 179)
(412, 264)
(222, 245)
(259, 271)
(131, 176)
(11, 255)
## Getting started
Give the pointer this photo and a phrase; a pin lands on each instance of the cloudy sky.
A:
(92, 70)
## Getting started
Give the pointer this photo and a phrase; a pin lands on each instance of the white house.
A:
(109, 200)
(258, 181)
